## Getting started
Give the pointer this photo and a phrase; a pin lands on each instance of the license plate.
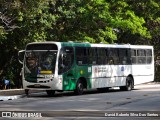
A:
(37, 85)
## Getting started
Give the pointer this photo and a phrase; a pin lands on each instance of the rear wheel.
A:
(129, 84)
(50, 93)
(79, 88)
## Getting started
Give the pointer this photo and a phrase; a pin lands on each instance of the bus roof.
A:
(87, 44)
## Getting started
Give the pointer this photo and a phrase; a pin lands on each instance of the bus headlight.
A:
(48, 76)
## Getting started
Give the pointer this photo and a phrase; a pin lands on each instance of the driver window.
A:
(65, 59)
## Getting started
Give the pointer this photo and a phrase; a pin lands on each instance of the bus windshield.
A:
(40, 62)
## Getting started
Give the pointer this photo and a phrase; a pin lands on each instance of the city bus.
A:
(72, 66)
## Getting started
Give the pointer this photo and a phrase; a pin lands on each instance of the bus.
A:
(72, 66)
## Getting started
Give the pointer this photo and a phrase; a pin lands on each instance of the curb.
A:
(5, 98)
(11, 92)
(148, 85)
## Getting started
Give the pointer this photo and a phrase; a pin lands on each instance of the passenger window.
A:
(124, 56)
(141, 56)
(113, 56)
(92, 56)
(101, 56)
(133, 56)
(81, 56)
(149, 56)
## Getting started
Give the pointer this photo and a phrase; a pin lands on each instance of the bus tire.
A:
(50, 93)
(129, 84)
(26, 92)
(79, 88)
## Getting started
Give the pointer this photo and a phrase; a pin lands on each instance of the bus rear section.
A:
(142, 64)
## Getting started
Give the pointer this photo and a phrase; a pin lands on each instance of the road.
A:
(144, 101)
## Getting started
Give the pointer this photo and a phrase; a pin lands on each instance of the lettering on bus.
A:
(102, 69)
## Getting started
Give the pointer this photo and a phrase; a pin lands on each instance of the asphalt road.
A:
(141, 103)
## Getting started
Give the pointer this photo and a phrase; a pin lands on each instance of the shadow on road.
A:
(71, 93)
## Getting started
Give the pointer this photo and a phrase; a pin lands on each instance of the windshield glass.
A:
(40, 62)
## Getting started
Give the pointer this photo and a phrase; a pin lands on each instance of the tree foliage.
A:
(108, 21)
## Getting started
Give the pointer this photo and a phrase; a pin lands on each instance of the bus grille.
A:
(41, 86)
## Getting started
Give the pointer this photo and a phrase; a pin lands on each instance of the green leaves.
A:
(74, 20)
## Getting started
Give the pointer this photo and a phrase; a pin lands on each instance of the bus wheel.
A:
(50, 92)
(79, 88)
(26, 92)
(129, 84)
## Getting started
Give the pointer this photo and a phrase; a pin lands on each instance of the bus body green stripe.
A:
(71, 77)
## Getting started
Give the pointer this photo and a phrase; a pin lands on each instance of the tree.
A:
(150, 11)
(77, 20)
(122, 21)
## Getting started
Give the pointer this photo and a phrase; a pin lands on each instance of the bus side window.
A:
(124, 56)
(113, 56)
(81, 55)
(141, 56)
(106, 60)
(92, 58)
(101, 56)
(133, 56)
(149, 56)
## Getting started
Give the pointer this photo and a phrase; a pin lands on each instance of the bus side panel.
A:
(143, 73)
(110, 75)
(71, 77)
(84, 72)
(122, 71)
(69, 80)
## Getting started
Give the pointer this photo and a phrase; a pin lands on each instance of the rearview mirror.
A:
(21, 56)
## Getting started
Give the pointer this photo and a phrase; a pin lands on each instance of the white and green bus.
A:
(71, 66)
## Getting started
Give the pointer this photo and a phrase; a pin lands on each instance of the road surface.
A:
(141, 103)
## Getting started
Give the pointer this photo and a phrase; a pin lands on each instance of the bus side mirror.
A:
(21, 56)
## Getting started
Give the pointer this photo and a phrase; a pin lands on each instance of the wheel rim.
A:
(80, 88)
(129, 85)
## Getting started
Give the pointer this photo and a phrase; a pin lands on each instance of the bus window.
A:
(92, 56)
(81, 55)
(65, 59)
(113, 56)
(149, 56)
(133, 56)
(101, 56)
(124, 56)
(141, 56)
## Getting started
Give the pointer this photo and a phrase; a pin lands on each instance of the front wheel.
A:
(79, 88)
(26, 92)
(50, 93)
